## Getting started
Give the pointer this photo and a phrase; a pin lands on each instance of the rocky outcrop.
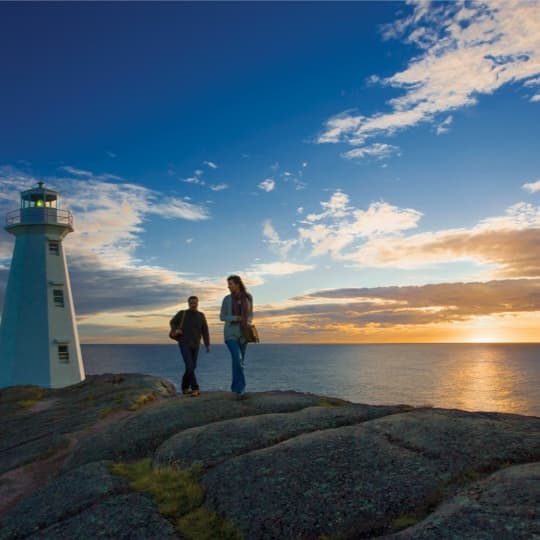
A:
(277, 465)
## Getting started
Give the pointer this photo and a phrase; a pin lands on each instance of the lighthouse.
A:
(39, 342)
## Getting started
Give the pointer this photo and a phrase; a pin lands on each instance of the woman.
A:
(237, 312)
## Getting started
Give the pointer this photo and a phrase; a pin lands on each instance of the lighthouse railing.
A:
(32, 216)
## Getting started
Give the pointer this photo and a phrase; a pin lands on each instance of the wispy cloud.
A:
(278, 268)
(219, 187)
(210, 164)
(377, 150)
(413, 305)
(340, 225)
(508, 245)
(88, 174)
(194, 180)
(532, 187)
(267, 185)
(444, 126)
(110, 216)
(76, 172)
(466, 50)
(505, 246)
(532, 82)
(282, 247)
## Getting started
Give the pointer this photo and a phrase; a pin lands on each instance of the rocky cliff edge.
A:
(124, 456)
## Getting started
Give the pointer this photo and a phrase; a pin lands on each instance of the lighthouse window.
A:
(58, 297)
(63, 353)
(54, 247)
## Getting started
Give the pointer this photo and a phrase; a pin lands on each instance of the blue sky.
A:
(371, 169)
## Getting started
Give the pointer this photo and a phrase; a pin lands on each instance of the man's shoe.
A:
(186, 392)
(195, 393)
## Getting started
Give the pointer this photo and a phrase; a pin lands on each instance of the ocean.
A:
(472, 377)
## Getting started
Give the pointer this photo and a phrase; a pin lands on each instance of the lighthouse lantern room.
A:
(39, 342)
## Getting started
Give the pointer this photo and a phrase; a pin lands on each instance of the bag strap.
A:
(181, 327)
(182, 317)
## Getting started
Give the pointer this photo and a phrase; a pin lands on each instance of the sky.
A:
(370, 169)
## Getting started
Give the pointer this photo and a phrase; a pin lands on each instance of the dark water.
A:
(486, 377)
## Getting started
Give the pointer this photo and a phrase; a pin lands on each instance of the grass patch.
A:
(201, 524)
(106, 412)
(34, 395)
(331, 402)
(407, 520)
(179, 497)
(141, 400)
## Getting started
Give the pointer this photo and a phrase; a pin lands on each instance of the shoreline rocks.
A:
(277, 465)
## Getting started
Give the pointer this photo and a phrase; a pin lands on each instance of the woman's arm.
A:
(226, 311)
(250, 314)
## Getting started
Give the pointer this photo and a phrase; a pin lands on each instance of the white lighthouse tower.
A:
(39, 342)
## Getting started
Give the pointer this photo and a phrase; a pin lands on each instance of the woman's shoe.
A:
(195, 393)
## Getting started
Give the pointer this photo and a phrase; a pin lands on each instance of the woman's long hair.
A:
(238, 281)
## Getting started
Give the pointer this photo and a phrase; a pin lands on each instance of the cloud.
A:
(509, 244)
(194, 180)
(282, 247)
(411, 305)
(340, 126)
(109, 220)
(109, 217)
(210, 164)
(466, 50)
(88, 174)
(381, 236)
(279, 268)
(444, 126)
(340, 225)
(267, 185)
(535, 98)
(532, 187)
(76, 172)
(377, 150)
(219, 187)
(532, 82)
(99, 287)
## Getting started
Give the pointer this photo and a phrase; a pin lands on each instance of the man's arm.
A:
(205, 332)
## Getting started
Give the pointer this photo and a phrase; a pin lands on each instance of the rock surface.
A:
(278, 464)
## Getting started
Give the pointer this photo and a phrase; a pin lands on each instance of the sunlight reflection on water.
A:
(475, 377)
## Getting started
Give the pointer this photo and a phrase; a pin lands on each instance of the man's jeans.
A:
(189, 354)
(238, 354)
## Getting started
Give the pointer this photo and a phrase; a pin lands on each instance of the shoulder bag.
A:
(172, 332)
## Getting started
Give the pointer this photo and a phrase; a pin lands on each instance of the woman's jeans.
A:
(238, 354)
(189, 354)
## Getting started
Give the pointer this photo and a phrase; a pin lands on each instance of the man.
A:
(189, 326)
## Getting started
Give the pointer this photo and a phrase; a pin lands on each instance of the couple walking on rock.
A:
(189, 326)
